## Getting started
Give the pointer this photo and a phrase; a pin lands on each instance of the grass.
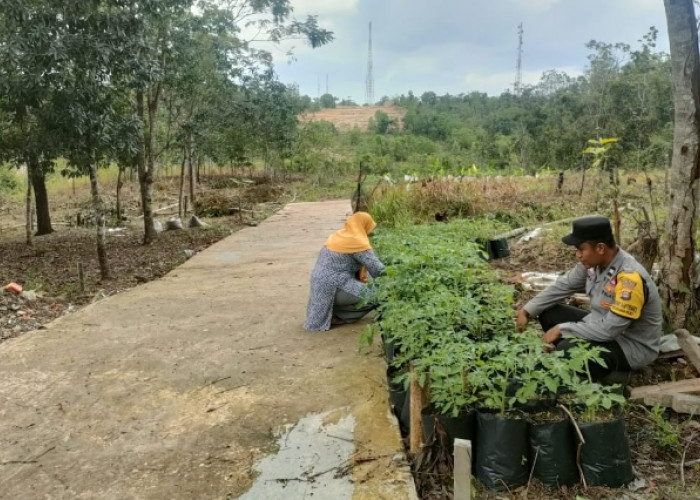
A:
(519, 201)
(342, 187)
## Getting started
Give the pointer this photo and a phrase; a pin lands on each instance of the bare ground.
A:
(346, 118)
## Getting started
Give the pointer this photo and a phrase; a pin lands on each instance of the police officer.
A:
(625, 316)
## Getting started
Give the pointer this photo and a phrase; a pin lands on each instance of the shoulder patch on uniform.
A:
(629, 295)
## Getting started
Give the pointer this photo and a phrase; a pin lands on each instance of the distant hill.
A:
(346, 118)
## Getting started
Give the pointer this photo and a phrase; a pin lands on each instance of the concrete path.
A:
(194, 385)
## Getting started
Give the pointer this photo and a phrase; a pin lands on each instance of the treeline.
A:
(140, 84)
(624, 93)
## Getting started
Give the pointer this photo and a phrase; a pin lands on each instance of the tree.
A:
(428, 98)
(327, 101)
(90, 94)
(678, 252)
(603, 70)
(25, 53)
(160, 21)
(382, 123)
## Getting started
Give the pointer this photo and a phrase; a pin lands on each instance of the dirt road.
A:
(176, 388)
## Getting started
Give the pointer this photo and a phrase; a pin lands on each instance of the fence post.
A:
(463, 470)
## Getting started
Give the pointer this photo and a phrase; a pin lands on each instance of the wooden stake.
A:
(29, 219)
(81, 277)
(416, 409)
(463, 470)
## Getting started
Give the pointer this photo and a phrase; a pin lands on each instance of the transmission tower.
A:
(518, 87)
(369, 84)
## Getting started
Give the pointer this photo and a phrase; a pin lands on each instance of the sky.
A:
(456, 46)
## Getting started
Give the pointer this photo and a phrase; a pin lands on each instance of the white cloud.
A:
(324, 7)
(640, 5)
(460, 46)
(538, 4)
(414, 65)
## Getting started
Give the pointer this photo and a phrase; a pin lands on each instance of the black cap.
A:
(592, 228)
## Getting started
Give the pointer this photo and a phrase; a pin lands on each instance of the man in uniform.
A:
(625, 316)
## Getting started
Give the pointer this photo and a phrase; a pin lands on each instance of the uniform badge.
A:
(629, 295)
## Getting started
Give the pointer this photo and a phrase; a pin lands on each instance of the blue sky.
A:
(456, 46)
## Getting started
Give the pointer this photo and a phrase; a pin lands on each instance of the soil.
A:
(50, 267)
(346, 118)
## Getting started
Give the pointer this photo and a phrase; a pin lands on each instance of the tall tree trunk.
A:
(199, 168)
(181, 195)
(679, 248)
(41, 199)
(145, 176)
(120, 184)
(192, 179)
(153, 98)
(28, 200)
(99, 222)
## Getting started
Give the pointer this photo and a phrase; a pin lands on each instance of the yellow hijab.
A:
(354, 237)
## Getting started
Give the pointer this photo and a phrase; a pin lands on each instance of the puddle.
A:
(310, 462)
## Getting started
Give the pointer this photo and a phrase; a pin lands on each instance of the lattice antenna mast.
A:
(369, 84)
(518, 87)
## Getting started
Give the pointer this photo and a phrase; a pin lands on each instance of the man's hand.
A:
(521, 320)
(552, 335)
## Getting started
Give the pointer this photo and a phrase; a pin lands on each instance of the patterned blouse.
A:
(336, 271)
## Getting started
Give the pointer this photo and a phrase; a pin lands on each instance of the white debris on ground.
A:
(669, 343)
(531, 235)
(311, 461)
(537, 281)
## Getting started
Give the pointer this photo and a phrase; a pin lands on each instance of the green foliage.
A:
(443, 308)
(8, 180)
(665, 434)
(599, 149)
(393, 210)
(327, 101)
(550, 122)
(382, 123)
(439, 302)
(591, 399)
(513, 370)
